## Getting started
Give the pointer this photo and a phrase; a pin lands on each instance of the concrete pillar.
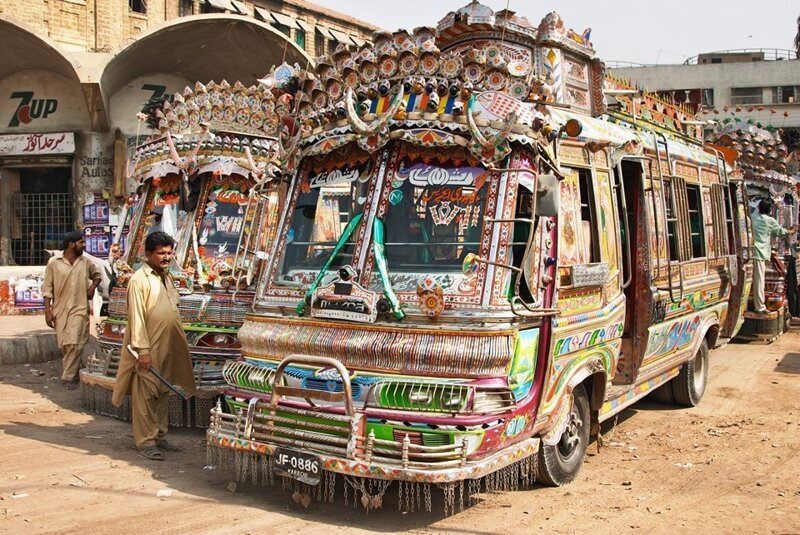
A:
(93, 168)
(6, 214)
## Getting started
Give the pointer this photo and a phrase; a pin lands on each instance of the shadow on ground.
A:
(790, 363)
(186, 472)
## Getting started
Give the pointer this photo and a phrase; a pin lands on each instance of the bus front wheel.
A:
(560, 463)
(690, 384)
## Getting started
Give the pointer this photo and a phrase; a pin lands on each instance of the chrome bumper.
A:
(341, 441)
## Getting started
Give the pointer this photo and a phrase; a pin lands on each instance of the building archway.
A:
(203, 47)
(24, 49)
(43, 112)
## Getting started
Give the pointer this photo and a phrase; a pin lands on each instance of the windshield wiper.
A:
(378, 247)
(348, 231)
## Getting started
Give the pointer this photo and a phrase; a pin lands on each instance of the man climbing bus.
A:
(764, 228)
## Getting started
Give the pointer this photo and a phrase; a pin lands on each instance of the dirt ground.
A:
(728, 465)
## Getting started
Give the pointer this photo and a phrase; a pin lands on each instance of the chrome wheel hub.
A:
(571, 438)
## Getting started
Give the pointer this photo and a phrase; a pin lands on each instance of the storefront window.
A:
(41, 213)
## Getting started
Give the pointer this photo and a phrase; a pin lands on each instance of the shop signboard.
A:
(37, 144)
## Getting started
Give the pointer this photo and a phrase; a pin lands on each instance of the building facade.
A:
(108, 25)
(75, 73)
(760, 87)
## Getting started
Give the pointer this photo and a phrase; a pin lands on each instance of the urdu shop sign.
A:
(37, 144)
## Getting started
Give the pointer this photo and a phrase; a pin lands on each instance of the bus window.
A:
(578, 219)
(730, 206)
(696, 233)
(722, 219)
(436, 214)
(672, 220)
(591, 245)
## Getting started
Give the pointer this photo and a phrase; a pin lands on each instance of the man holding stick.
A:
(154, 339)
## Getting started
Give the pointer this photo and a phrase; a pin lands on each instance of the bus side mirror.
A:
(547, 195)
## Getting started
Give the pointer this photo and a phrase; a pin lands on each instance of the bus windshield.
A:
(435, 213)
(327, 201)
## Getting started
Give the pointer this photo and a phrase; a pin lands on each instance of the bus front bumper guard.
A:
(353, 454)
(341, 442)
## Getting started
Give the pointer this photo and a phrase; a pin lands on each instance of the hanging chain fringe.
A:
(370, 493)
(601, 440)
(181, 413)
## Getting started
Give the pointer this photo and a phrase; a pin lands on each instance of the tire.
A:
(559, 464)
(690, 384)
(663, 394)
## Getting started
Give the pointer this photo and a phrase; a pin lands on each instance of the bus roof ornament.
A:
(493, 148)
(374, 135)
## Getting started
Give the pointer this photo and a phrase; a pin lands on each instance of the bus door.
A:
(737, 223)
(634, 214)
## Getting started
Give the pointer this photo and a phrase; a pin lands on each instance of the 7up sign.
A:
(31, 108)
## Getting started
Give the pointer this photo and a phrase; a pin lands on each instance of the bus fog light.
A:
(452, 402)
(419, 397)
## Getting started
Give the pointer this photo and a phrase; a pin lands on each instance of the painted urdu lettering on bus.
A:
(580, 341)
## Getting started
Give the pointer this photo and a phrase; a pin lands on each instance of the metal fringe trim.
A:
(98, 400)
(177, 414)
(195, 412)
(369, 493)
(421, 352)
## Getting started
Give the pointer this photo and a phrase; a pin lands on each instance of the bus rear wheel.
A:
(663, 394)
(690, 384)
(560, 463)
(787, 320)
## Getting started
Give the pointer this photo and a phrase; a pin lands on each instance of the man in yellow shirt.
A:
(67, 292)
(155, 333)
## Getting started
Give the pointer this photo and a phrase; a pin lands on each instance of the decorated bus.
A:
(207, 179)
(761, 157)
(478, 262)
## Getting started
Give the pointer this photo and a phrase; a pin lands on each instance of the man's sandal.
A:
(152, 453)
(166, 445)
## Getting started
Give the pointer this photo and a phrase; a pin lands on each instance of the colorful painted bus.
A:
(761, 156)
(478, 263)
(207, 179)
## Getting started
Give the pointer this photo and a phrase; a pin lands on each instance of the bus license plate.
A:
(300, 466)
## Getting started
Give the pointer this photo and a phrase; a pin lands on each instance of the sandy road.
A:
(731, 464)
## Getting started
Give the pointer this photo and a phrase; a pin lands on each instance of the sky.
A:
(643, 31)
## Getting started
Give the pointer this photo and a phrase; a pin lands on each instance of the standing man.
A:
(764, 228)
(67, 293)
(155, 333)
